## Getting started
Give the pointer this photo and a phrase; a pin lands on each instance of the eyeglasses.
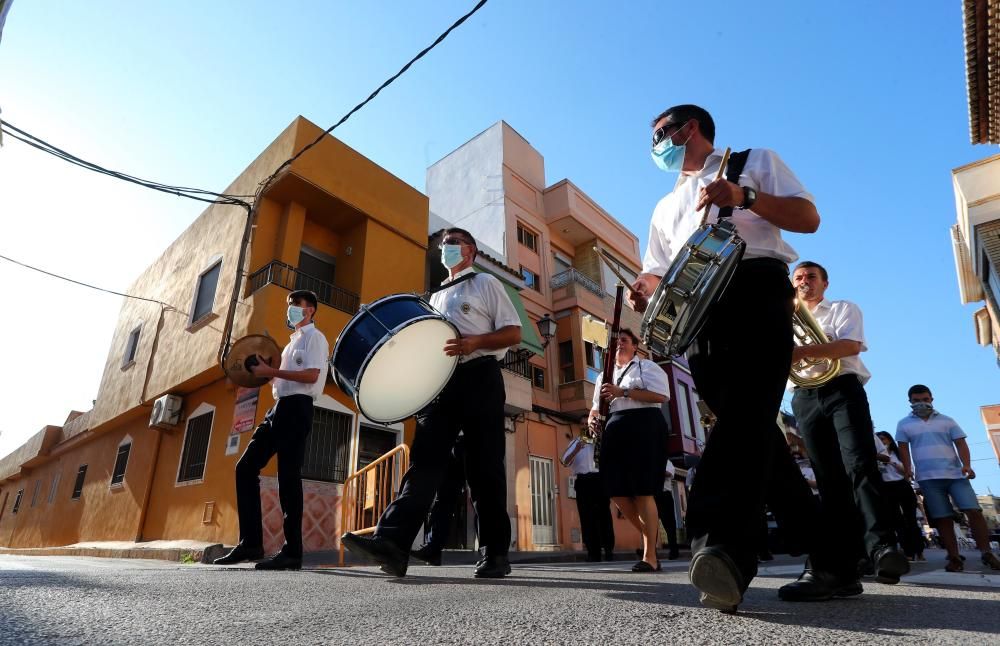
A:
(662, 132)
(454, 241)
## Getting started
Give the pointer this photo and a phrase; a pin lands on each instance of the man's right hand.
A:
(642, 289)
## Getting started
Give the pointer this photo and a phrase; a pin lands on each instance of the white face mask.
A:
(295, 315)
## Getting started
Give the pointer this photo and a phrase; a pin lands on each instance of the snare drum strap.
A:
(460, 279)
(733, 171)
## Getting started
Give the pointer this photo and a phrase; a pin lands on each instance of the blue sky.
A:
(865, 101)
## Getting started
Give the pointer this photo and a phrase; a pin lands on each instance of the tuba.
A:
(806, 331)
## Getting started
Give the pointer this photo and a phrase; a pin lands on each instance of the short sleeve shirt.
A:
(477, 306)
(842, 320)
(637, 373)
(932, 445)
(308, 348)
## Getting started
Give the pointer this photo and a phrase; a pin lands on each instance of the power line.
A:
(437, 41)
(70, 280)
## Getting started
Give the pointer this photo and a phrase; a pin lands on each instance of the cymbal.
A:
(235, 363)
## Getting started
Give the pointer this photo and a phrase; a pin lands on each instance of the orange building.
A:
(155, 457)
(494, 186)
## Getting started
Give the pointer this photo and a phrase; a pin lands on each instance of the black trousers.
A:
(473, 403)
(594, 507)
(904, 505)
(836, 427)
(665, 510)
(740, 363)
(447, 498)
(283, 432)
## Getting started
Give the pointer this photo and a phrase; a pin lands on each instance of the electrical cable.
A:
(437, 41)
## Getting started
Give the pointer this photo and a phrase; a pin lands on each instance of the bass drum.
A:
(695, 280)
(390, 357)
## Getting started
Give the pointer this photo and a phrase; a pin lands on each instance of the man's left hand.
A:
(461, 347)
(968, 472)
(262, 369)
(610, 391)
(721, 193)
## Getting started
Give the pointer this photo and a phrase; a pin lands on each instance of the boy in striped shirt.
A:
(931, 440)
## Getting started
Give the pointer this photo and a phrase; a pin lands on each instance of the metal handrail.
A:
(517, 362)
(574, 276)
(362, 493)
(284, 275)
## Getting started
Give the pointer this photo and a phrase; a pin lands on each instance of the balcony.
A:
(576, 397)
(517, 382)
(290, 278)
(572, 277)
(517, 362)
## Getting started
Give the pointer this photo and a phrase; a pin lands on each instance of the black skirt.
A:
(634, 453)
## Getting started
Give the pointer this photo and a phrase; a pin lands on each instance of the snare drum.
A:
(696, 279)
(390, 357)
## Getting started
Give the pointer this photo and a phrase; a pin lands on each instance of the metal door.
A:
(543, 522)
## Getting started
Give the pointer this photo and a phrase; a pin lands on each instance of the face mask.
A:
(451, 255)
(295, 315)
(921, 409)
(669, 157)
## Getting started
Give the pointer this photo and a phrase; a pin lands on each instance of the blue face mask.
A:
(451, 255)
(669, 157)
(295, 315)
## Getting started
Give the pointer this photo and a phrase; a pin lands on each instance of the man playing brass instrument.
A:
(836, 426)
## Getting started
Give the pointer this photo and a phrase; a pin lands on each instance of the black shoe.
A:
(593, 558)
(280, 562)
(609, 555)
(391, 558)
(890, 564)
(815, 585)
(764, 557)
(673, 554)
(718, 579)
(428, 554)
(239, 554)
(493, 567)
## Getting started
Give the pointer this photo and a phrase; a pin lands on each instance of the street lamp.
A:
(547, 328)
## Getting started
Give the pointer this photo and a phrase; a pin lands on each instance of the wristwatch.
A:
(749, 197)
(625, 393)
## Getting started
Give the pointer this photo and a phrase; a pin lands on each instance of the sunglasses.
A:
(663, 132)
(454, 241)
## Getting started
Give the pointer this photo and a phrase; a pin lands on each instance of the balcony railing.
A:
(564, 278)
(516, 361)
(282, 275)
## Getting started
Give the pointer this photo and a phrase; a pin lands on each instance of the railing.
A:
(369, 491)
(282, 275)
(517, 362)
(563, 278)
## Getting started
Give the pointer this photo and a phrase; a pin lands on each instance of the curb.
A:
(204, 555)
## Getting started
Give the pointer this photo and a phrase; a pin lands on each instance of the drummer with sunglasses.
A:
(740, 360)
(472, 402)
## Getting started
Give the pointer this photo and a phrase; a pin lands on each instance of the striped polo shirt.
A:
(932, 445)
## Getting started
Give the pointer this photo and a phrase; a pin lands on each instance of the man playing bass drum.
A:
(740, 360)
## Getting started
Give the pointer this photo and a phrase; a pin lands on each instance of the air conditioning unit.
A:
(166, 412)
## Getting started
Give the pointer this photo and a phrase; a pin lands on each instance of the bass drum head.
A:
(406, 372)
(712, 284)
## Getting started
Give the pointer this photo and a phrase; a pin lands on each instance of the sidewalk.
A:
(181, 551)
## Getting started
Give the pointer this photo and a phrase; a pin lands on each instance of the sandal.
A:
(954, 565)
(642, 566)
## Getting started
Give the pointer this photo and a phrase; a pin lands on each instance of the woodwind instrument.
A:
(604, 409)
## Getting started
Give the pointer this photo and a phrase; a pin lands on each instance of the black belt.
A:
(836, 382)
(478, 361)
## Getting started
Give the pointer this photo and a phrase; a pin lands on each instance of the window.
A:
(560, 263)
(205, 296)
(528, 238)
(684, 409)
(316, 271)
(131, 346)
(17, 501)
(538, 377)
(34, 494)
(121, 462)
(78, 485)
(328, 446)
(595, 361)
(531, 279)
(699, 430)
(195, 451)
(54, 487)
(566, 371)
(373, 443)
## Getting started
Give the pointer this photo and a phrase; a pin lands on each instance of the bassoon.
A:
(604, 408)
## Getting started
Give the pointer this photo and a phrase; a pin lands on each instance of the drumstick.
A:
(607, 258)
(718, 176)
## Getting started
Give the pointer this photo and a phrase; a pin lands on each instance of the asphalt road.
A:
(73, 600)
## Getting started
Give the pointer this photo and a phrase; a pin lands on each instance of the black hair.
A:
(892, 443)
(630, 334)
(301, 295)
(464, 234)
(686, 112)
(809, 264)
(918, 389)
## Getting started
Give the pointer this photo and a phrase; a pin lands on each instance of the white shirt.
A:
(308, 348)
(674, 218)
(479, 305)
(842, 320)
(583, 461)
(637, 373)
